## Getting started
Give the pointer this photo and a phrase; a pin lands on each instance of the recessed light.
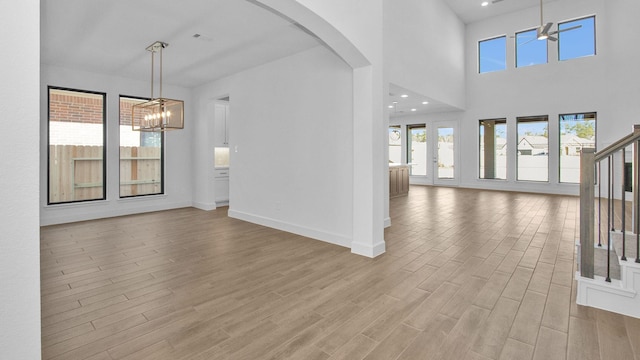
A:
(395, 102)
(425, 102)
(414, 109)
(390, 106)
(484, 3)
(404, 96)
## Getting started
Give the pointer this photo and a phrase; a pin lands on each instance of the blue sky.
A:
(571, 44)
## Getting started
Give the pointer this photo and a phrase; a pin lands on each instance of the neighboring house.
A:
(533, 145)
(572, 144)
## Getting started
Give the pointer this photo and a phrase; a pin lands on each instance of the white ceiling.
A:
(412, 103)
(110, 36)
(470, 11)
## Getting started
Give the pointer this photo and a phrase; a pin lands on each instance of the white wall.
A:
(424, 49)
(602, 83)
(178, 150)
(360, 23)
(290, 139)
(20, 240)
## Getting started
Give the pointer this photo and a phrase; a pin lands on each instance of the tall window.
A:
(141, 156)
(533, 148)
(446, 153)
(76, 134)
(577, 131)
(493, 149)
(492, 54)
(417, 149)
(395, 145)
(530, 50)
(578, 42)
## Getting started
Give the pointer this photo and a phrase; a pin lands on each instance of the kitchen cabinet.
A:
(398, 180)
(221, 186)
(221, 125)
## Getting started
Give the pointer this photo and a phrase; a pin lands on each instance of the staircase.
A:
(608, 259)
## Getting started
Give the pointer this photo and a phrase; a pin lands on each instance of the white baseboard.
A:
(368, 250)
(204, 206)
(68, 213)
(325, 236)
(387, 222)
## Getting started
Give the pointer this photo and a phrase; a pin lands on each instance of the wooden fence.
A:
(76, 172)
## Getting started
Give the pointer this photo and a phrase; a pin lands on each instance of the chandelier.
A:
(157, 114)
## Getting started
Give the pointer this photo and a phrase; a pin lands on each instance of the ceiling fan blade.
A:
(567, 29)
(546, 28)
(496, 1)
(552, 38)
(528, 41)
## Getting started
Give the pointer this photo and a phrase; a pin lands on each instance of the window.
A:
(493, 149)
(76, 134)
(417, 149)
(446, 153)
(577, 131)
(530, 50)
(578, 42)
(492, 54)
(395, 145)
(141, 155)
(533, 148)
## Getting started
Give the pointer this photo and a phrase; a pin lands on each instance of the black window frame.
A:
(104, 144)
(162, 152)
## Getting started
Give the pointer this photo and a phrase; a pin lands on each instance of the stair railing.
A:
(591, 166)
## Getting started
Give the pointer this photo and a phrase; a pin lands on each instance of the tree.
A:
(582, 129)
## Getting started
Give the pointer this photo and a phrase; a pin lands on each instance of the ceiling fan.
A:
(542, 33)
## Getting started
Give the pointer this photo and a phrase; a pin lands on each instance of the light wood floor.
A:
(467, 275)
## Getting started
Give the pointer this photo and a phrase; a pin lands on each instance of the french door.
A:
(444, 153)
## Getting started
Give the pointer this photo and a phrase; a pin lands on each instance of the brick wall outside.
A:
(70, 106)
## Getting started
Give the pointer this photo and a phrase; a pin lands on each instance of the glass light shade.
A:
(158, 115)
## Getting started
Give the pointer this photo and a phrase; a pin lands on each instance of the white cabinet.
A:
(221, 186)
(221, 155)
(221, 125)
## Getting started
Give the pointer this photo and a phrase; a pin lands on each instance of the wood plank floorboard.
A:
(468, 274)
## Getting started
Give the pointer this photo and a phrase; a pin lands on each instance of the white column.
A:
(19, 183)
(368, 169)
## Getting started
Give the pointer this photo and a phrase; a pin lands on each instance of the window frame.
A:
(410, 147)
(104, 144)
(162, 153)
(595, 140)
(524, 119)
(559, 36)
(480, 153)
(480, 53)
(389, 130)
(546, 48)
